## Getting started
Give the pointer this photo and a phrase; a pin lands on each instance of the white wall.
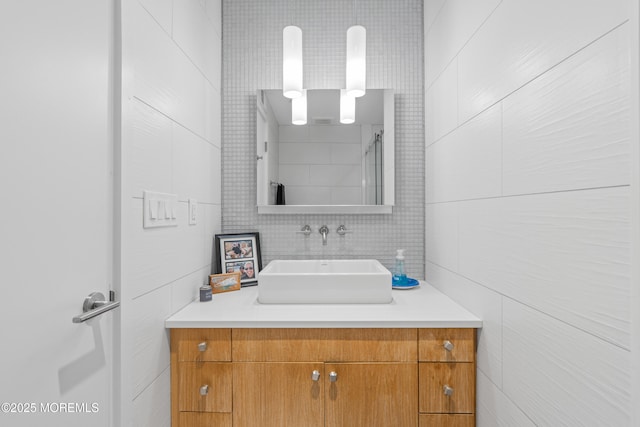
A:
(528, 200)
(170, 143)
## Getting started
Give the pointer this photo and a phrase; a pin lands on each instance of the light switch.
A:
(193, 211)
(159, 209)
(153, 208)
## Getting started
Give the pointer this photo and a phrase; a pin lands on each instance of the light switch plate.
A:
(193, 211)
(159, 209)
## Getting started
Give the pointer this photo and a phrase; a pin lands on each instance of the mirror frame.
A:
(388, 174)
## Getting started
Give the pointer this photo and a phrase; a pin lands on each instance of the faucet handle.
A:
(306, 230)
(342, 230)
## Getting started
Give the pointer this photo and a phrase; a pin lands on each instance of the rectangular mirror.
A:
(324, 166)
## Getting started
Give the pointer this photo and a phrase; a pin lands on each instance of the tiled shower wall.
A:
(252, 59)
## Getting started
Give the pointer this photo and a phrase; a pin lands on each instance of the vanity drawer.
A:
(320, 345)
(446, 345)
(459, 378)
(446, 420)
(205, 387)
(204, 419)
(201, 345)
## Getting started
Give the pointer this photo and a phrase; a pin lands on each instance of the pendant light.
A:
(292, 61)
(347, 108)
(356, 58)
(299, 109)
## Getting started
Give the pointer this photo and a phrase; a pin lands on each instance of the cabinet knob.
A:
(204, 390)
(448, 345)
(315, 375)
(202, 346)
(333, 376)
(448, 391)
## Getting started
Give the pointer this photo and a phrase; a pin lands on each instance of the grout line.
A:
(572, 190)
(503, 295)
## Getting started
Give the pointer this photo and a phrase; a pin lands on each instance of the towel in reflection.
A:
(280, 195)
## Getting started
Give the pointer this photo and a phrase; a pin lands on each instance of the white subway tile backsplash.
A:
(560, 375)
(522, 39)
(566, 254)
(570, 128)
(466, 164)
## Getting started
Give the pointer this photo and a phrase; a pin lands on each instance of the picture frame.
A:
(239, 252)
(225, 282)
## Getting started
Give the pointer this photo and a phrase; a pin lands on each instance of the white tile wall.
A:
(523, 39)
(466, 163)
(571, 377)
(570, 128)
(171, 142)
(528, 201)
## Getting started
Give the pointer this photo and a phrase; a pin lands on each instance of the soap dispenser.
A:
(399, 276)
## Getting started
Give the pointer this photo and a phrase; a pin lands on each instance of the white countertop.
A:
(421, 307)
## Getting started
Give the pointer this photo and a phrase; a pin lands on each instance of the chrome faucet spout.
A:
(324, 230)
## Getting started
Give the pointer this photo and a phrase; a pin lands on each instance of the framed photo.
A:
(239, 253)
(224, 282)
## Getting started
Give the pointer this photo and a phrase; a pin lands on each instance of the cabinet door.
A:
(371, 394)
(278, 394)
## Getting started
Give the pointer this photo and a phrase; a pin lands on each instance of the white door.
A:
(56, 233)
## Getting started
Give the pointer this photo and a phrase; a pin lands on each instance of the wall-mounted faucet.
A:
(324, 230)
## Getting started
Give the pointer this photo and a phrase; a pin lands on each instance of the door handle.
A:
(94, 305)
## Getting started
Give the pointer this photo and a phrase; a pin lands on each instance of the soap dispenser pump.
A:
(399, 276)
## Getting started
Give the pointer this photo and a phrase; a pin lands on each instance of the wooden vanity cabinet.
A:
(447, 371)
(324, 378)
(201, 378)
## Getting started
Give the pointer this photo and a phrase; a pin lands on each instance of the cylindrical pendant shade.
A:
(347, 108)
(356, 60)
(292, 61)
(299, 109)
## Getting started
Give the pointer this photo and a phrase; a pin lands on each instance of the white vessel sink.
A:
(358, 281)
